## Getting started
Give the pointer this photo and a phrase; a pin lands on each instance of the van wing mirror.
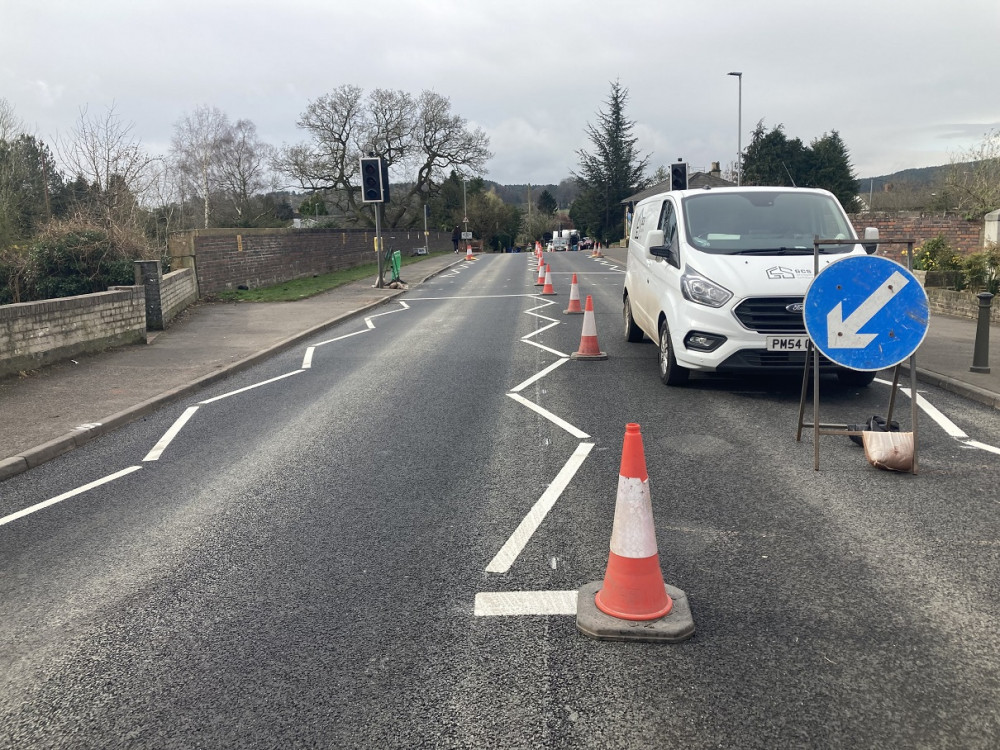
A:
(871, 233)
(654, 238)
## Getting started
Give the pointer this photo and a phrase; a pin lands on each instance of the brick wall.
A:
(228, 258)
(963, 235)
(33, 334)
(177, 291)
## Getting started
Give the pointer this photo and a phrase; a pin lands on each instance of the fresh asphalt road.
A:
(297, 564)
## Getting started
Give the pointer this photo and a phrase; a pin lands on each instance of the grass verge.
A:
(289, 291)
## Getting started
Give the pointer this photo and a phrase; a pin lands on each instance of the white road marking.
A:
(250, 387)
(503, 559)
(559, 422)
(170, 434)
(340, 338)
(307, 360)
(67, 495)
(952, 429)
(539, 375)
(502, 603)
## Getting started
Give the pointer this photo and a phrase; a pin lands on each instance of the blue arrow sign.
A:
(866, 312)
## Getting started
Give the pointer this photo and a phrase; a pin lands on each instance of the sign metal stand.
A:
(868, 308)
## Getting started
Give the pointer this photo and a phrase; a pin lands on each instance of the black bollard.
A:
(981, 355)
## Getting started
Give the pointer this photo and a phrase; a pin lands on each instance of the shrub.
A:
(13, 272)
(67, 262)
(982, 270)
(937, 255)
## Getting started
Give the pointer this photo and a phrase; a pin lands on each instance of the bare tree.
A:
(10, 123)
(421, 141)
(244, 169)
(974, 178)
(195, 149)
(103, 152)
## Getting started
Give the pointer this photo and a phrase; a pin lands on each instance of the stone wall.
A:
(959, 304)
(177, 291)
(230, 258)
(33, 334)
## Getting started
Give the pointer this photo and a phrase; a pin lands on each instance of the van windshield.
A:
(756, 222)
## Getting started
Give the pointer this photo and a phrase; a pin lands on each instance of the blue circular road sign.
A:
(866, 312)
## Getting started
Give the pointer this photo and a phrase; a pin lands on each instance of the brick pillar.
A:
(149, 276)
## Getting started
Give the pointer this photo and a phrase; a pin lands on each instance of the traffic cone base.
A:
(674, 627)
(633, 602)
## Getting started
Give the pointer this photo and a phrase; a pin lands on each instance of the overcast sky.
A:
(907, 84)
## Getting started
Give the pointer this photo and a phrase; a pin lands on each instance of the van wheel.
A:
(633, 334)
(855, 378)
(671, 373)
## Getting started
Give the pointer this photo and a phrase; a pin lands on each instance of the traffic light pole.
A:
(379, 284)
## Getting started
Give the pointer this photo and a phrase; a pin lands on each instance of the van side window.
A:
(668, 225)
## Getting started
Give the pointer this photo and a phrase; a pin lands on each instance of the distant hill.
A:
(922, 177)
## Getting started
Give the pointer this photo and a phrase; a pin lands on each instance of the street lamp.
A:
(739, 130)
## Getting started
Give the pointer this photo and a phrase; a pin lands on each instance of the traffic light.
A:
(679, 176)
(371, 179)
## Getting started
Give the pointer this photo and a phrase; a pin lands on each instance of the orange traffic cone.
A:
(541, 275)
(588, 339)
(633, 602)
(574, 298)
(468, 252)
(547, 289)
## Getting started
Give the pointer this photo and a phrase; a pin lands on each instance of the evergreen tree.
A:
(611, 173)
(546, 204)
(773, 159)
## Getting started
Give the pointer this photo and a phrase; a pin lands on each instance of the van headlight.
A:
(697, 288)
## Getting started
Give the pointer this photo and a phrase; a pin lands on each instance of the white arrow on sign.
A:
(843, 334)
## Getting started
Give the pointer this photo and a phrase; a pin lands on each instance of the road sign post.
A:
(864, 313)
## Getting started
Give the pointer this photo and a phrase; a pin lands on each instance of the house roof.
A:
(695, 180)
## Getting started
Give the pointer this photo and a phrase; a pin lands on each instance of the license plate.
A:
(787, 343)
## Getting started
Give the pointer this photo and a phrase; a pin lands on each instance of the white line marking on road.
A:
(981, 446)
(340, 338)
(249, 387)
(539, 375)
(307, 360)
(67, 495)
(503, 559)
(170, 434)
(952, 429)
(502, 603)
(545, 348)
(482, 296)
(931, 411)
(540, 330)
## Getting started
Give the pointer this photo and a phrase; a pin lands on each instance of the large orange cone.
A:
(633, 584)
(588, 339)
(468, 251)
(633, 602)
(574, 298)
(541, 275)
(547, 289)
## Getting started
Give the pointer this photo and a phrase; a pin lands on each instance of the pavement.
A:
(58, 408)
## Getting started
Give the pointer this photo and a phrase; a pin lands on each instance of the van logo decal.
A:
(784, 272)
(780, 272)
(795, 307)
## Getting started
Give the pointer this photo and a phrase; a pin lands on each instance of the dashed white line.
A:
(558, 421)
(67, 495)
(503, 559)
(249, 387)
(170, 434)
(539, 375)
(505, 603)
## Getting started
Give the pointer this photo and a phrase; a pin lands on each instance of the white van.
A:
(717, 276)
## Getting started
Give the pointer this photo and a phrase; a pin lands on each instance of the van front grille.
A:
(771, 315)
